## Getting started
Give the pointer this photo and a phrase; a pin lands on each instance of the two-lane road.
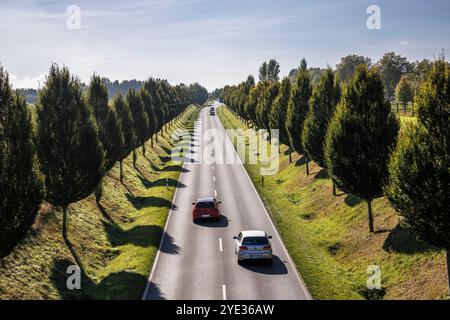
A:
(197, 261)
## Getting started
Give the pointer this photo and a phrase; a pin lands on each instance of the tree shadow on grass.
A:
(118, 285)
(142, 236)
(171, 168)
(163, 182)
(130, 192)
(104, 212)
(301, 161)
(141, 173)
(352, 200)
(322, 174)
(175, 168)
(146, 202)
(403, 240)
(164, 159)
(166, 150)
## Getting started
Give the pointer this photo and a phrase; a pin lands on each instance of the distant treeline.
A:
(401, 78)
(60, 150)
(113, 87)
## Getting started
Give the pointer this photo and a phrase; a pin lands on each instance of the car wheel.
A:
(239, 262)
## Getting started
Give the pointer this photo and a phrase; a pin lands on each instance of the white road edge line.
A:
(220, 245)
(155, 261)
(294, 266)
(214, 178)
(224, 292)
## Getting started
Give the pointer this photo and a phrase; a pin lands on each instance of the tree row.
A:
(348, 129)
(60, 151)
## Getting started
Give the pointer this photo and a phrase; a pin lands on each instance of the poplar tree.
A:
(277, 116)
(126, 120)
(298, 108)
(360, 136)
(419, 180)
(268, 94)
(140, 119)
(322, 105)
(21, 184)
(151, 117)
(70, 152)
(109, 126)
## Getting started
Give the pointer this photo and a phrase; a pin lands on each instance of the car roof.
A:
(253, 233)
(209, 199)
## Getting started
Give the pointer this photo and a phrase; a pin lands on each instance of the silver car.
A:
(253, 244)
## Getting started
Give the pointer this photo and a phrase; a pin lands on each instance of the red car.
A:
(206, 208)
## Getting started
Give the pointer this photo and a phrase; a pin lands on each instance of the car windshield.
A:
(202, 205)
(254, 241)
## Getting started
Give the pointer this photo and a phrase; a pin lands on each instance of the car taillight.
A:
(267, 248)
(243, 248)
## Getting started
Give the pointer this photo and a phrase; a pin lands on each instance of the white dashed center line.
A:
(214, 178)
(220, 245)
(224, 292)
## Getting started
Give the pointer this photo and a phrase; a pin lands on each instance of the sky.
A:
(213, 42)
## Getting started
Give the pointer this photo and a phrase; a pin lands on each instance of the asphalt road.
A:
(197, 261)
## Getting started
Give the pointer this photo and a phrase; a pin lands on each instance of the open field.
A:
(115, 243)
(328, 236)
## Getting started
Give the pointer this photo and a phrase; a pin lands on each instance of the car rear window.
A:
(254, 241)
(202, 205)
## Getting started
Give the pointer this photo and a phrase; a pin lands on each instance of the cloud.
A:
(27, 82)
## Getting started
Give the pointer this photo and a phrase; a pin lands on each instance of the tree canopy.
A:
(322, 105)
(360, 136)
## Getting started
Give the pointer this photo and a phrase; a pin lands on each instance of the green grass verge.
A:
(116, 242)
(328, 238)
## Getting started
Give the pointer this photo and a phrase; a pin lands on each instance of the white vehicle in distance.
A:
(253, 245)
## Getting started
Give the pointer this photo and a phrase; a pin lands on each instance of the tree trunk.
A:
(397, 106)
(307, 164)
(369, 207)
(334, 189)
(412, 108)
(143, 149)
(151, 142)
(98, 191)
(134, 157)
(404, 108)
(448, 268)
(121, 171)
(290, 155)
(156, 137)
(65, 223)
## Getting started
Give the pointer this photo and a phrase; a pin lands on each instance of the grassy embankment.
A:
(116, 252)
(328, 236)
